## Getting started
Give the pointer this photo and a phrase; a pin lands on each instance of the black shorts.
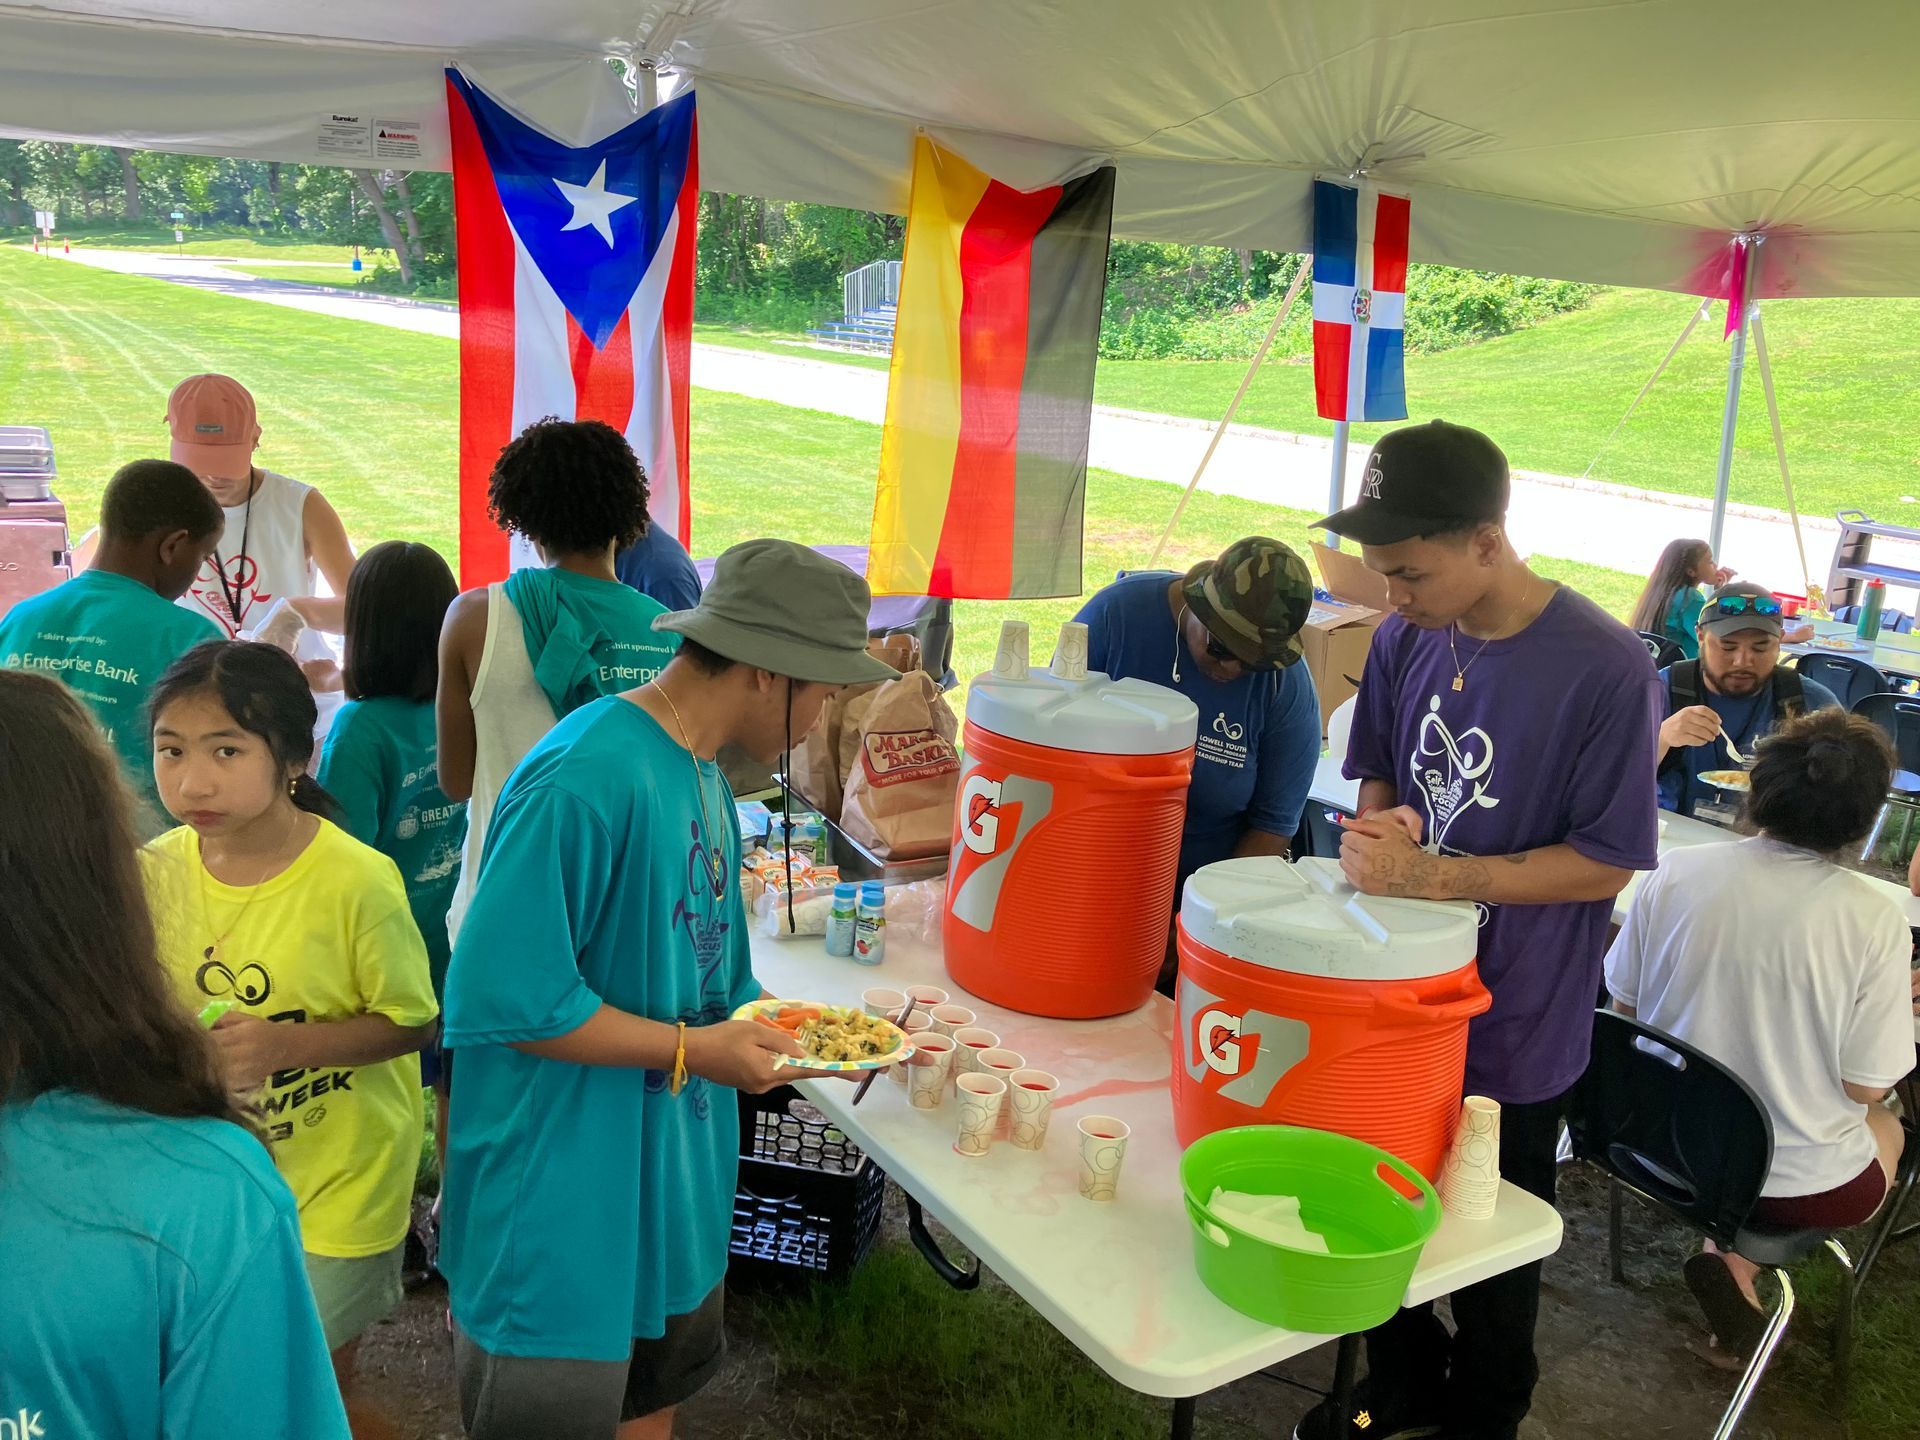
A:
(511, 1397)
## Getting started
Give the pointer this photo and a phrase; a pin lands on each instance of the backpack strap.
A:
(1683, 684)
(1789, 695)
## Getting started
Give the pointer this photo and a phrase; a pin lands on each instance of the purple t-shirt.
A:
(1550, 742)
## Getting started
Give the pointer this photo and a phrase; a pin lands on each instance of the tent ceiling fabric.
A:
(1619, 142)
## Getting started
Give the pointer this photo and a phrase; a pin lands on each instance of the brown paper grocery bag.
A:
(816, 768)
(904, 770)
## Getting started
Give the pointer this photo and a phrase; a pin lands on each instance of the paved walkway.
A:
(1602, 524)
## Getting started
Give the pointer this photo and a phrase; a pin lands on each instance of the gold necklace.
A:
(1459, 670)
(206, 906)
(716, 862)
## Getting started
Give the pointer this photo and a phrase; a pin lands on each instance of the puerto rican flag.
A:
(576, 296)
(1359, 303)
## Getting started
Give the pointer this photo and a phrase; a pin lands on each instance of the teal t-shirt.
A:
(1682, 622)
(381, 762)
(153, 1282)
(587, 637)
(584, 1204)
(109, 638)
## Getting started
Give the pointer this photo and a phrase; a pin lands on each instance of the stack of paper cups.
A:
(1470, 1177)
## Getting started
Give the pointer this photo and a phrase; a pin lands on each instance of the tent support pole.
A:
(1337, 478)
(1736, 365)
(647, 84)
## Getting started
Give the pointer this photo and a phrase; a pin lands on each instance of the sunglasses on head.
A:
(1746, 605)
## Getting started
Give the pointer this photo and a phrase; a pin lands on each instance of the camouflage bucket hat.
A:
(1253, 600)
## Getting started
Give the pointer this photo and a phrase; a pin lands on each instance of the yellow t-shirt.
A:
(329, 938)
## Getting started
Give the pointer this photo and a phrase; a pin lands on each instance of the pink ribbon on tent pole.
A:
(1739, 266)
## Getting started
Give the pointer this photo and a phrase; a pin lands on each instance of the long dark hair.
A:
(1819, 779)
(84, 1003)
(265, 693)
(397, 597)
(1671, 571)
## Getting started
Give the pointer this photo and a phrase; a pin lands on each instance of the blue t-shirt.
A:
(1549, 741)
(109, 638)
(1259, 735)
(381, 762)
(1745, 717)
(584, 1203)
(153, 1281)
(657, 564)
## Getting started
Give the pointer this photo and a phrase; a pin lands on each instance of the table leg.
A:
(1183, 1418)
(1346, 1366)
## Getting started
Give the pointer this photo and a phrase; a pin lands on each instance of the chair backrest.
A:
(1663, 650)
(1340, 727)
(1850, 679)
(1673, 1123)
(1899, 717)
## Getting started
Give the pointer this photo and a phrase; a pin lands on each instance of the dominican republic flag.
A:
(1359, 303)
(576, 295)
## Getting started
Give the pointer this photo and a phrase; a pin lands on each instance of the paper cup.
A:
(882, 1004)
(925, 997)
(972, 1040)
(927, 1071)
(1001, 1062)
(982, 1097)
(1470, 1176)
(915, 1025)
(1030, 1106)
(949, 1018)
(1103, 1145)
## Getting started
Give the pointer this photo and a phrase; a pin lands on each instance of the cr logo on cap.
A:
(1370, 486)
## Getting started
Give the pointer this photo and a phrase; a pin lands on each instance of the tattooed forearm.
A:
(1416, 874)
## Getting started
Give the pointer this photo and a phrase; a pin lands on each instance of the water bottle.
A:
(841, 919)
(1871, 604)
(870, 924)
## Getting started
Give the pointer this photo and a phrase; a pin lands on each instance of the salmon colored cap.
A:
(214, 426)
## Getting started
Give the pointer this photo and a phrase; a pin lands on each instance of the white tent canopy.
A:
(1618, 142)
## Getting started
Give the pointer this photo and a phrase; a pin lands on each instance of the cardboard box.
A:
(1346, 577)
(1335, 639)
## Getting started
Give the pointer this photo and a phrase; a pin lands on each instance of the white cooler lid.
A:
(1305, 918)
(1093, 714)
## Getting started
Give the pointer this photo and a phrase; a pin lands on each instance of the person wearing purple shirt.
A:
(1504, 741)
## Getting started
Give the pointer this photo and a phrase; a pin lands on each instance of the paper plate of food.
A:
(838, 1038)
(1835, 642)
(1728, 779)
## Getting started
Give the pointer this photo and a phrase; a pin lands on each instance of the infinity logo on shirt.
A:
(251, 986)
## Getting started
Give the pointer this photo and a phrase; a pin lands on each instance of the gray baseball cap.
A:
(1741, 606)
(779, 606)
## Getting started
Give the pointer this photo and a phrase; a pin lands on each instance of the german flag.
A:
(983, 464)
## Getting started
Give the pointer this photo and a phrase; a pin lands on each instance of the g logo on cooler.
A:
(1218, 1034)
(980, 812)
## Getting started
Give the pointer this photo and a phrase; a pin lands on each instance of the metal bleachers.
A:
(870, 298)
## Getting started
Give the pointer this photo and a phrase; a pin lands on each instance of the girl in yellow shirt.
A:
(301, 936)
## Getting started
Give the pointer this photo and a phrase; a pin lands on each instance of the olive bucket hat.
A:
(1253, 599)
(781, 607)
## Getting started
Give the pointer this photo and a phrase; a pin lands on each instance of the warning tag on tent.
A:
(344, 135)
(396, 139)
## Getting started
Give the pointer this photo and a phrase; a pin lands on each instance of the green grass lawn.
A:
(239, 244)
(1551, 394)
(344, 277)
(368, 414)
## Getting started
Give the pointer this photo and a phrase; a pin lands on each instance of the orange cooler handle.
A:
(1430, 1010)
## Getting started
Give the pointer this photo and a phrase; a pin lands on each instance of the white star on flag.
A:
(594, 204)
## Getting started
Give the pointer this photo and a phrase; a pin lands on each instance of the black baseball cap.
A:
(1421, 480)
(1741, 606)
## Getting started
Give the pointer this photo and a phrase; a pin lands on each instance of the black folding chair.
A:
(1849, 679)
(1898, 717)
(1663, 650)
(1687, 1135)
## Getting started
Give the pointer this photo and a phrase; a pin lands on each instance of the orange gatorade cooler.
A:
(1066, 834)
(1304, 1002)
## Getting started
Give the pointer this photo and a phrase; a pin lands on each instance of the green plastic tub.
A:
(1374, 1232)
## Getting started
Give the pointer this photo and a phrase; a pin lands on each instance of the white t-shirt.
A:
(262, 556)
(1791, 972)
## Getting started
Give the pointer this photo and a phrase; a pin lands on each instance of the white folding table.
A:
(1116, 1278)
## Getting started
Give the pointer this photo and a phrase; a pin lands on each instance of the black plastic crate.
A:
(808, 1203)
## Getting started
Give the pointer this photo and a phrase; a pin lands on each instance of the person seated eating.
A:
(1794, 973)
(1737, 690)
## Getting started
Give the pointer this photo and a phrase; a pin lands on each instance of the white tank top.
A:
(510, 714)
(262, 556)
